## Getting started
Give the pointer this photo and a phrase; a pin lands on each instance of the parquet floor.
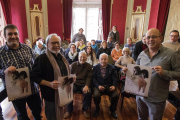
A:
(128, 112)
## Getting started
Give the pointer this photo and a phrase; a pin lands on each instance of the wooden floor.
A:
(128, 112)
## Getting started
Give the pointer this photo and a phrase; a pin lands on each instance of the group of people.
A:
(94, 76)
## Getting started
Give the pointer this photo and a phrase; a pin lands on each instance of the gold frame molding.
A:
(137, 24)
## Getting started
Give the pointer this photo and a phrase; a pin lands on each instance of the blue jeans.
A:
(34, 103)
(50, 110)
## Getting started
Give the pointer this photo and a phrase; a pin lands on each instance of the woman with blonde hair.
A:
(103, 49)
(125, 59)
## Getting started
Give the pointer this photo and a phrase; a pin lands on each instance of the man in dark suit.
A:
(105, 81)
(139, 47)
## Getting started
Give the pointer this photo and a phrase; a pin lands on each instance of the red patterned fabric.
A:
(106, 6)
(67, 18)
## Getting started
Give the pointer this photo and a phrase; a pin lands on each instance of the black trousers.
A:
(34, 103)
(86, 100)
(112, 94)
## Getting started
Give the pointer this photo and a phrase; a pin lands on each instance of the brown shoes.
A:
(86, 114)
(67, 115)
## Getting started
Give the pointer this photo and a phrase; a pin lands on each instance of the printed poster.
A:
(138, 79)
(18, 84)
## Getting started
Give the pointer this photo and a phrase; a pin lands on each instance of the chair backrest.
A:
(66, 42)
(65, 47)
(110, 61)
(62, 44)
(98, 44)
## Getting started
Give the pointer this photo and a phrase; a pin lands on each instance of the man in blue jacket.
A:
(105, 81)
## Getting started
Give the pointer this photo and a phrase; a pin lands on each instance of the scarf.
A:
(57, 73)
(114, 31)
(72, 56)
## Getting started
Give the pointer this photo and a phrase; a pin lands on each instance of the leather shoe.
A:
(86, 114)
(114, 115)
(96, 113)
(67, 115)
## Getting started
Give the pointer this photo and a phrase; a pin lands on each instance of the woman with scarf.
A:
(46, 70)
(116, 52)
(72, 56)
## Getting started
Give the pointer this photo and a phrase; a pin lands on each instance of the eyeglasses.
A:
(54, 43)
(153, 37)
(173, 36)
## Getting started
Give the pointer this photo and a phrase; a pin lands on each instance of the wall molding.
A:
(111, 15)
(28, 17)
(148, 10)
(128, 20)
(45, 18)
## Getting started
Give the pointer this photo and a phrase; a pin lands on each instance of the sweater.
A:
(101, 50)
(123, 61)
(83, 73)
(171, 45)
(95, 47)
(78, 37)
(116, 54)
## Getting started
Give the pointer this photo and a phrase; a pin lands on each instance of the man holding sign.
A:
(14, 55)
(165, 67)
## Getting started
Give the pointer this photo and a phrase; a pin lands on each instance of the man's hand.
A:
(112, 88)
(85, 89)
(54, 84)
(158, 70)
(124, 70)
(101, 88)
(10, 69)
(74, 79)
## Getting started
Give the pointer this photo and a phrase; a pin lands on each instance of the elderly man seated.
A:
(40, 49)
(105, 81)
(83, 73)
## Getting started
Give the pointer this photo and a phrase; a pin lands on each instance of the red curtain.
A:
(67, 18)
(6, 10)
(106, 6)
(162, 14)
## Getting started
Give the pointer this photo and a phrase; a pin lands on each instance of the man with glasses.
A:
(46, 70)
(165, 67)
(174, 45)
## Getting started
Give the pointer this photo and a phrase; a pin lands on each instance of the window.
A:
(2, 25)
(86, 16)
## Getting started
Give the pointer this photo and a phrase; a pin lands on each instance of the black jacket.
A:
(43, 70)
(101, 50)
(138, 49)
(109, 79)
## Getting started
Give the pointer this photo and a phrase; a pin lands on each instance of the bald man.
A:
(105, 81)
(166, 67)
